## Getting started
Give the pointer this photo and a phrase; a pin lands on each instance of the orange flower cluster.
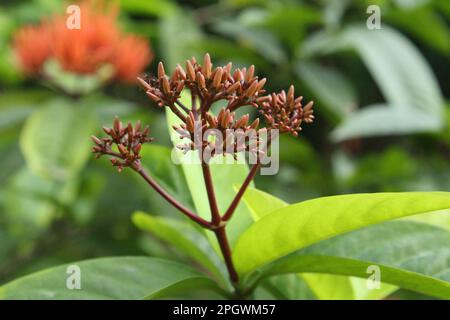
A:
(99, 41)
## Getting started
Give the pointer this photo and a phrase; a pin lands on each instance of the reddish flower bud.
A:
(233, 87)
(165, 85)
(117, 125)
(143, 84)
(201, 80)
(137, 149)
(217, 78)
(161, 72)
(250, 73)
(207, 66)
(190, 70)
(96, 140)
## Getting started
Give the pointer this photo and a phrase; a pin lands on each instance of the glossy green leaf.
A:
(324, 286)
(336, 287)
(183, 236)
(284, 287)
(297, 226)
(329, 287)
(108, 278)
(411, 255)
(440, 218)
(55, 139)
(261, 203)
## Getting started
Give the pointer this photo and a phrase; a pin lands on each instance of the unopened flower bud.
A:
(107, 130)
(255, 124)
(217, 78)
(207, 66)
(123, 150)
(181, 72)
(201, 80)
(137, 148)
(234, 87)
(190, 70)
(165, 85)
(96, 140)
(250, 73)
(117, 125)
(161, 72)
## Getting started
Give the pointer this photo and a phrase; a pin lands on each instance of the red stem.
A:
(172, 200)
(215, 215)
(226, 252)
(182, 106)
(229, 213)
(177, 112)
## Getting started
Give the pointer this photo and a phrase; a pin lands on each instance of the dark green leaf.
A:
(108, 278)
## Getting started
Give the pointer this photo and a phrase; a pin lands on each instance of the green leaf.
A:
(32, 202)
(388, 119)
(337, 287)
(324, 286)
(55, 139)
(425, 25)
(108, 278)
(362, 292)
(330, 86)
(440, 218)
(297, 17)
(15, 107)
(261, 203)
(261, 41)
(297, 226)
(224, 48)
(406, 78)
(73, 83)
(225, 176)
(411, 255)
(106, 108)
(402, 74)
(153, 8)
(9, 72)
(183, 236)
(329, 287)
(284, 287)
(178, 34)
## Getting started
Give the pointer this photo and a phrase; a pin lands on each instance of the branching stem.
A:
(172, 200)
(250, 176)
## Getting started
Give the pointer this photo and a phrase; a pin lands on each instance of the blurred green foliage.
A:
(383, 116)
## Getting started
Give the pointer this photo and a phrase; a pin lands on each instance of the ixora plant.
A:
(242, 249)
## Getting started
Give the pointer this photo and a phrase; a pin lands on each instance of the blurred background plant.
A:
(382, 100)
